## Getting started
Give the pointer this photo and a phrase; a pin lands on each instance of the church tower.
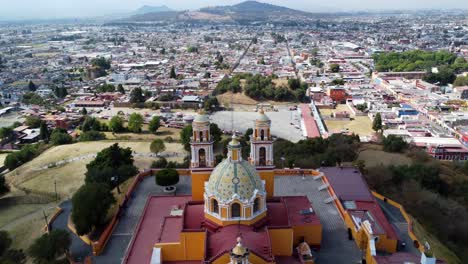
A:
(202, 156)
(261, 151)
(261, 143)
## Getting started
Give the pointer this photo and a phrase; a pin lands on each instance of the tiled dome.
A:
(234, 177)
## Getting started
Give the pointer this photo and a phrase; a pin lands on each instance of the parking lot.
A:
(280, 122)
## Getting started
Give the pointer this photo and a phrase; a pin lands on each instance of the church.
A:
(233, 215)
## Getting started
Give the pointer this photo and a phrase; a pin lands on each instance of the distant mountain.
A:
(152, 9)
(254, 10)
(248, 11)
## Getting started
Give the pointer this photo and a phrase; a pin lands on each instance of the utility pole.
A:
(46, 221)
(55, 187)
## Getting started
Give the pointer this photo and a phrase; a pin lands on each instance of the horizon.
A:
(85, 9)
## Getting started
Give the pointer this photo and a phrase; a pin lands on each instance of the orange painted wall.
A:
(281, 241)
(198, 184)
(269, 178)
(190, 247)
(312, 234)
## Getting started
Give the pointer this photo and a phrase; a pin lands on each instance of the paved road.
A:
(79, 249)
(335, 247)
(123, 232)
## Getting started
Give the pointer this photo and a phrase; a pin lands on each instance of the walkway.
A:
(123, 232)
(79, 249)
(395, 217)
(335, 247)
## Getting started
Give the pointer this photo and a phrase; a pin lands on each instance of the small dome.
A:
(231, 178)
(201, 118)
(263, 117)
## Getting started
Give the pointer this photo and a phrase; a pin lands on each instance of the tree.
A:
(44, 131)
(116, 124)
(334, 67)
(185, 135)
(50, 246)
(60, 92)
(31, 98)
(211, 104)
(135, 122)
(31, 86)
(394, 143)
(120, 89)
(84, 111)
(154, 124)
(33, 121)
(112, 166)
(215, 132)
(157, 146)
(91, 124)
(92, 136)
(461, 81)
(60, 137)
(6, 132)
(377, 124)
(102, 63)
(167, 177)
(90, 205)
(136, 95)
(294, 84)
(160, 163)
(173, 74)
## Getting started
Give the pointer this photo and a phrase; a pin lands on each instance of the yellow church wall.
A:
(281, 241)
(386, 244)
(248, 212)
(269, 177)
(224, 212)
(171, 251)
(234, 222)
(194, 245)
(190, 247)
(198, 184)
(311, 234)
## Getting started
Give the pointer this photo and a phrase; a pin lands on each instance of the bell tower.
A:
(261, 143)
(201, 143)
(261, 151)
(202, 156)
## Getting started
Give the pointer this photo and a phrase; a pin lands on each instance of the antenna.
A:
(232, 113)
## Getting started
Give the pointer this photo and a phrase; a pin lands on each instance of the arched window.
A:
(202, 158)
(256, 205)
(235, 210)
(262, 156)
(262, 134)
(215, 206)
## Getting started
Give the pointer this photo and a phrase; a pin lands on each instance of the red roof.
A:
(309, 121)
(349, 185)
(224, 240)
(150, 225)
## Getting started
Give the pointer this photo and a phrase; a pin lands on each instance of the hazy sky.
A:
(14, 9)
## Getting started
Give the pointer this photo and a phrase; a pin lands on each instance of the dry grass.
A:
(162, 133)
(2, 158)
(361, 126)
(439, 249)
(27, 228)
(237, 98)
(70, 177)
(374, 156)
(9, 214)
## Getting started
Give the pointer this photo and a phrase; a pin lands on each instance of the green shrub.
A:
(167, 177)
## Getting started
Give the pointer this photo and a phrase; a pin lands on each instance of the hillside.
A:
(242, 12)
